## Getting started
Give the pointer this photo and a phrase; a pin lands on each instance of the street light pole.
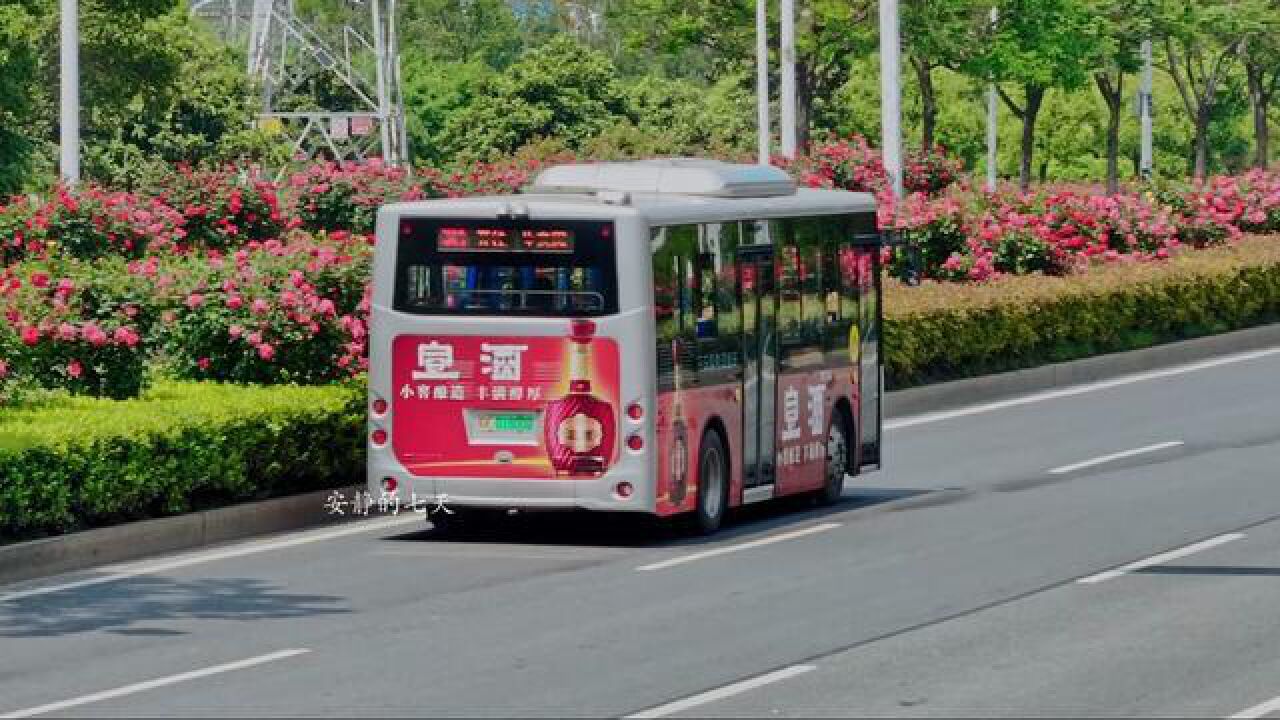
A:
(788, 90)
(992, 109)
(762, 80)
(69, 80)
(891, 92)
(1144, 100)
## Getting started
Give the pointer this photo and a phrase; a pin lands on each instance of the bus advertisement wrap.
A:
(521, 407)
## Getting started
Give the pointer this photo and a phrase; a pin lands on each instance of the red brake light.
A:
(635, 411)
(389, 484)
(379, 437)
(635, 442)
(379, 407)
(624, 489)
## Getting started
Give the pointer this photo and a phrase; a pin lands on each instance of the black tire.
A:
(837, 464)
(713, 483)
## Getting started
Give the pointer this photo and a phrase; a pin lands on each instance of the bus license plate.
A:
(503, 427)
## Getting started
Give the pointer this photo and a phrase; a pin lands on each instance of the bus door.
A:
(870, 362)
(760, 366)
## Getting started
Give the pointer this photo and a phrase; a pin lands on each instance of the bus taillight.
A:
(379, 407)
(389, 484)
(379, 437)
(635, 411)
(624, 489)
(636, 442)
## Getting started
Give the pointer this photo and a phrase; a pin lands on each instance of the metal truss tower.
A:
(358, 111)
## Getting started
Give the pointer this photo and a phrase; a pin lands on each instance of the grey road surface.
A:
(966, 578)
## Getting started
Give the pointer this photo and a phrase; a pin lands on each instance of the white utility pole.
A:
(762, 79)
(1145, 109)
(69, 80)
(380, 72)
(788, 128)
(891, 92)
(993, 107)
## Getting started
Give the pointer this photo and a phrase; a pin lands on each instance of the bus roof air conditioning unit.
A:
(677, 176)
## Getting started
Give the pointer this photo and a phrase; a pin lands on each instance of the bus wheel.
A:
(713, 483)
(837, 460)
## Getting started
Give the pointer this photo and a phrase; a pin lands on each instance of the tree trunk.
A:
(1259, 99)
(1201, 167)
(804, 106)
(1035, 97)
(928, 103)
(1114, 94)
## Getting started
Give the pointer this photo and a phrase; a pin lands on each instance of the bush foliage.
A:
(78, 462)
(943, 331)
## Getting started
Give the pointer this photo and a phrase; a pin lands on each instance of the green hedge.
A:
(72, 463)
(945, 331)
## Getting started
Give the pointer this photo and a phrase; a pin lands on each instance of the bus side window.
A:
(676, 302)
(787, 272)
(849, 290)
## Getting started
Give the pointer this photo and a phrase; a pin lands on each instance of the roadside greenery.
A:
(70, 463)
(943, 331)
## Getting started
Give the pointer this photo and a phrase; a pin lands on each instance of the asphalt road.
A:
(1002, 564)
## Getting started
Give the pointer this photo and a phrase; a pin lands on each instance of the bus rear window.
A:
(483, 267)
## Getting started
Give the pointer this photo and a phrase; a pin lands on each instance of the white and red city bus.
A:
(673, 337)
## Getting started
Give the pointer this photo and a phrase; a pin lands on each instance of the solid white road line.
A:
(158, 682)
(1076, 389)
(1161, 558)
(1115, 456)
(741, 546)
(112, 573)
(710, 696)
(1259, 710)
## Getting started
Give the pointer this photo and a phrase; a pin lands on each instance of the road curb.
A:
(145, 538)
(988, 388)
(131, 541)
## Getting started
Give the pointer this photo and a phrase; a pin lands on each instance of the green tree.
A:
(559, 90)
(1036, 46)
(1202, 43)
(937, 34)
(17, 71)
(1260, 53)
(1123, 24)
(716, 38)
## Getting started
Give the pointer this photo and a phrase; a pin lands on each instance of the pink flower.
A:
(260, 307)
(75, 369)
(235, 302)
(126, 336)
(203, 363)
(30, 335)
(67, 332)
(195, 300)
(235, 331)
(254, 338)
(266, 352)
(40, 280)
(94, 334)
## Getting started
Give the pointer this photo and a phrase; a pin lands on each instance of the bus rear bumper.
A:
(545, 494)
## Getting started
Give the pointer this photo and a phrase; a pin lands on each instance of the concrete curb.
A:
(145, 538)
(971, 391)
(121, 543)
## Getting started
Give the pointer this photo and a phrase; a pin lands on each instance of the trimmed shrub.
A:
(943, 331)
(73, 463)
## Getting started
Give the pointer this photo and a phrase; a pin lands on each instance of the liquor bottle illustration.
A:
(678, 461)
(580, 428)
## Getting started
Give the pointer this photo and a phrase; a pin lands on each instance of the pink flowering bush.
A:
(332, 196)
(281, 311)
(90, 223)
(225, 207)
(79, 326)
